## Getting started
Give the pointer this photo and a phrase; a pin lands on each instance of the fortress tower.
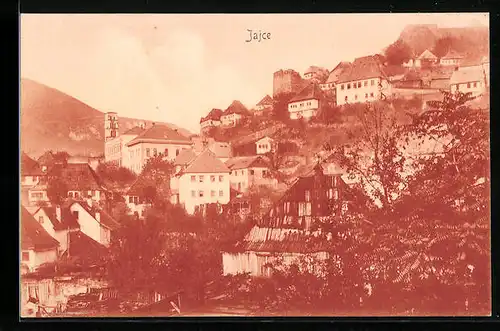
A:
(287, 81)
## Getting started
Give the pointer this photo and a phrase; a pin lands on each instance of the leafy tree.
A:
(442, 46)
(158, 172)
(398, 52)
(280, 106)
(57, 190)
(115, 175)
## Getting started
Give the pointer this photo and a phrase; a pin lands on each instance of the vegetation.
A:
(115, 175)
(398, 52)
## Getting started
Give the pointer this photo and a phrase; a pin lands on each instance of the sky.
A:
(176, 68)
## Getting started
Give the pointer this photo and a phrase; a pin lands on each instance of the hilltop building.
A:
(471, 79)
(333, 77)
(306, 103)
(287, 81)
(134, 147)
(452, 58)
(426, 59)
(265, 104)
(234, 114)
(248, 171)
(364, 81)
(264, 145)
(213, 119)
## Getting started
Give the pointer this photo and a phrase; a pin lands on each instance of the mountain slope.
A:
(53, 120)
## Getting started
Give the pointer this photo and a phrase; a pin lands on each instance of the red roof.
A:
(452, 54)
(105, 219)
(236, 107)
(206, 162)
(363, 68)
(68, 220)
(77, 176)
(243, 162)
(311, 91)
(160, 134)
(266, 101)
(184, 157)
(136, 130)
(213, 115)
(29, 167)
(33, 235)
(83, 247)
(335, 73)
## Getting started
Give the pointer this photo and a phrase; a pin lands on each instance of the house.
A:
(157, 140)
(58, 222)
(201, 180)
(264, 145)
(452, 58)
(333, 78)
(211, 120)
(31, 171)
(316, 74)
(265, 245)
(306, 103)
(394, 73)
(234, 114)
(469, 79)
(364, 81)
(37, 246)
(93, 221)
(37, 194)
(136, 197)
(426, 59)
(265, 104)
(247, 171)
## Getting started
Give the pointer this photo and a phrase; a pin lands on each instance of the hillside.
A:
(471, 41)
(53, 120)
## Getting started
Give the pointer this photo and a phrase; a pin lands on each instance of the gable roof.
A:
(136, 130)
(243, 162)
(213, 115)
(105, 219)
(427, 55)
(236, 107)
(363, 68)
(68, 220)
(220, 149)
(160, 134)
(30, 167)
(85, 248)
(266, 101)
(77, 176)
(335, 73)
(206, 162)
(184, 157)
(264, 138)
(452, 54)
(467, 75)
(311, 91)
(33, 235)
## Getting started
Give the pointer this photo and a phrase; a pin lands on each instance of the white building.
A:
(452, 58)
(470, 79)
(333, 78)
(426, 59)
(264, 145)
(200, 180)
(265, 104)
(306, 103)
(213, 119)
(233, 114)
(363, 81)
(248, 171)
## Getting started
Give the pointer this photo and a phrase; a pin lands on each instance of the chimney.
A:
(58, 213)
(98, 216)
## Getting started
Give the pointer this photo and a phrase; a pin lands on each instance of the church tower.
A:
(110, 126)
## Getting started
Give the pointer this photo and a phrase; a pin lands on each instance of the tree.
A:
(57, 190)
(157, 171)
(442, 46)
(398, 52)
(115, 175)
(280, 106)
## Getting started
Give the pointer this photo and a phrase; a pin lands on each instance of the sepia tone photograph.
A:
(244, 165)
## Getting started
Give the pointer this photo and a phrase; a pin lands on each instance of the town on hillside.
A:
(360, 189)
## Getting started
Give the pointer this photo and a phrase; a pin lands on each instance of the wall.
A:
(113, 150)
(32, 196)
(46, 223)
(242, 179)
(469, 87)
(264, 145)
(304, 108)
(286, 81)
(230, 119)
(366, 93)
(186, 186)
(30, 180)
(42, 257)
(138, 157)
(88, 225)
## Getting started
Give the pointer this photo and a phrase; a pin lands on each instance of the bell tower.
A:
(110, 126)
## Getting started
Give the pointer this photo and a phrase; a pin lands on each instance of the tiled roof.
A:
(84, 247)
(184, 157)
(68, 220)
(362, 68)
(335, 73)
(29, 167)
(160, 133)
(106, 219)
(78, 159)
(467, 75)
(206, 162)
(311, 91)
(277, 240)
(136, 130)
(243, 162)
(220, 149)
(137, 188)
(266, 101)
(236, 107)
(452, 54)
(77, 176)
(33, 235)
(214, 115)
(427, 55)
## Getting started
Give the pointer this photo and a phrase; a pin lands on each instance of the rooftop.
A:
(213, 115)
(467, 75)
(243, 162)
(136, 130)
(68, 220)
(311, 91)
(77, 176)
(236, 107)
(30, 167)
(427, 55)
(105, 219)
(33, 235)
(160, 134)
(266, 101)
(363, 68)
(206, 162)
(335, 73)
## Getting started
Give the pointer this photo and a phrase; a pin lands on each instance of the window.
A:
(354, 85)
(130, 199)
(212, 178)
(155, 152)
(264, 173)
(348, 86)
(252, 172)
(77, 194)
(366, 95)
(221, 193)
(212, 193)
(371, 94)
(304, 208)
(286, 207)
(166, 152)
(359, 84)
(365, 83)
(200, 193)
(75, 214)
(221, 178)
(148, 152)
(201, 178)
(70, 194)
(345, 98)
(468, 85)
(177, 152)
(475, 84)
(193, 194)
(40, 219)
(372, 82)
(308, 195)
(193, 178)
(342, 86)
(25, 256)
